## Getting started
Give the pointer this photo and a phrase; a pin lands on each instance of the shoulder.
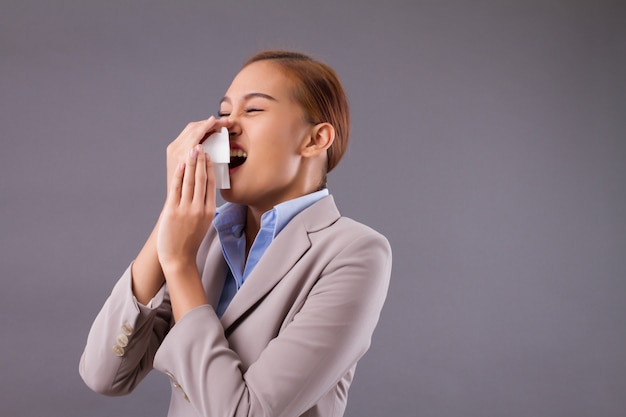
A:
(325, 219)
(350, 236)
(348, 224)
(347, 238)
(324, 216)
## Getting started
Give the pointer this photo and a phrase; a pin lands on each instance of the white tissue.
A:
(218, 148)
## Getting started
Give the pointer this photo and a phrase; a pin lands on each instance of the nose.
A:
(234, 129)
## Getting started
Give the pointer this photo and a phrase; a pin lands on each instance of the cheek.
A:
(277, 159)
(281, 145)
(276, 143)
(275, 163)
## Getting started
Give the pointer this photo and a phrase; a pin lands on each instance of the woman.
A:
(264, 306)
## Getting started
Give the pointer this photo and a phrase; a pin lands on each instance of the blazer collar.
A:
(280, 257)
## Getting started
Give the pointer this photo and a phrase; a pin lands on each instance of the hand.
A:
(193, 134)
(188, 212)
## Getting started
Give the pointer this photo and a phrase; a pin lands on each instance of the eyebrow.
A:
(248, 96)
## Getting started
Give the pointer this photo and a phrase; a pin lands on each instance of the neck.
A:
(309, 184)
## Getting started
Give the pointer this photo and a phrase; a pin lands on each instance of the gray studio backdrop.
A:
(488, 145)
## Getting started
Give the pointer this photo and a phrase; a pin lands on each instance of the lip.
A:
(235, 146)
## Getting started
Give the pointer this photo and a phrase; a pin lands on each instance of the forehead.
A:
(260, 77)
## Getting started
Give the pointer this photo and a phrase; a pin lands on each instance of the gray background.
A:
(488, 145)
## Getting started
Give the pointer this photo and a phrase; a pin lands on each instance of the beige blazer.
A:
(287, 345)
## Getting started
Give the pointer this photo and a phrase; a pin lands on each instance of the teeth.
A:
(238, 153)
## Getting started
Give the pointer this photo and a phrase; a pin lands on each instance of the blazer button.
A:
(118, 350)
(127, 329)
(176, 385)
(122, 340)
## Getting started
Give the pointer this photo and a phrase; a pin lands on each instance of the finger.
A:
(196, 132)
(209, 200)
(199, 192)
(174, 193)
(193, 134)
(189, 177)
(214, 125)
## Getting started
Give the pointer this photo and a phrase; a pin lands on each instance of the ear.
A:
(322, 136)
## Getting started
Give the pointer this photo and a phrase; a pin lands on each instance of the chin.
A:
(227, 195)
(231, 196)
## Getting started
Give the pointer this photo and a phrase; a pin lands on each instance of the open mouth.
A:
(237, 158)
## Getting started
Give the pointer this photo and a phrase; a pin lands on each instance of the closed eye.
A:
(248, 111)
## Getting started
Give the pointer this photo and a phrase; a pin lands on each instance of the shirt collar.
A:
(231, 217)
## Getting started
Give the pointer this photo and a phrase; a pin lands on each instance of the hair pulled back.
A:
(316, 87)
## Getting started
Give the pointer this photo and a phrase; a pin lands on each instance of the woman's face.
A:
(269, 128)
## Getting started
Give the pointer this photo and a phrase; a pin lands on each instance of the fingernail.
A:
(193, 152)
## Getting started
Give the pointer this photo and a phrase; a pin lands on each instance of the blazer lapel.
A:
(280, 257)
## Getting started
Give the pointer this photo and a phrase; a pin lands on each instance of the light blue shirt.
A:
(230, 222)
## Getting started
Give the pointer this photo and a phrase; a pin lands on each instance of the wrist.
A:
(185, 287)
(177, 268)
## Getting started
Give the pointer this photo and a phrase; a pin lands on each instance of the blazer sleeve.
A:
(123, 339)
(327, 336)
